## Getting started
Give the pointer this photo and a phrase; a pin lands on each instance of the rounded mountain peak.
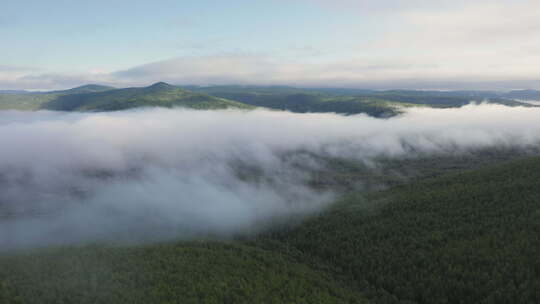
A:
(161, 85)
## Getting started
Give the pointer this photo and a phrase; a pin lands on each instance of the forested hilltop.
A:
(446, 234)
(101, 98)
(344, 101)
(353, 101)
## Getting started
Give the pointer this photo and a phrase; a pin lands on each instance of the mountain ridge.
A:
(159, 94)
(93, 97)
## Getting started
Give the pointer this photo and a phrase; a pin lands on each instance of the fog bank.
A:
(156, 174)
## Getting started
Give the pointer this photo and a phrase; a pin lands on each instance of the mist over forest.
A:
(300, 151)
(150, 175)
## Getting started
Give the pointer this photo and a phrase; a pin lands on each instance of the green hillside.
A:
(24, 101)
(445, 99)
(199, 272)
(344, 101)
(469, 237)
(36, 100)
(351, 101)
(102, 98)
(303, 101)
(524, 94)
(156, 95)
(462, 237)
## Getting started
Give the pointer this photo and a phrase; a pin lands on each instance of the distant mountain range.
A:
(346, 101)
(468, 94)
(524, 95)
(104, 98)
(353, 101)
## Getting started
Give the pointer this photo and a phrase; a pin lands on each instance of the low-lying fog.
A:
(155, 174)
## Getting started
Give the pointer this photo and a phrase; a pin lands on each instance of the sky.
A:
(383, 44)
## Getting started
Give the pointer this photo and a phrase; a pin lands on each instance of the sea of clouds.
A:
(158, 174)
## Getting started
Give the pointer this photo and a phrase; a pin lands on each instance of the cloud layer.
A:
(151, 175)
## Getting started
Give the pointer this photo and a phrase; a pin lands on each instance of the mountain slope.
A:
(466, 237)
(303, 101)
(35, 100)
(344, 101)
(198, 272)
(157, 95)
(524, 94)
(104, 98)
(26, 101)
(350, 101)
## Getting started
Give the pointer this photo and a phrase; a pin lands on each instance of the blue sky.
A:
(67, 35)
(385, 43)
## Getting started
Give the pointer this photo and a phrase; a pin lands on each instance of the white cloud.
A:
(155, 174)
(423, 44)
(433, 70)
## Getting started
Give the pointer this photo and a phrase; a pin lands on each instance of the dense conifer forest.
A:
(464, 236)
